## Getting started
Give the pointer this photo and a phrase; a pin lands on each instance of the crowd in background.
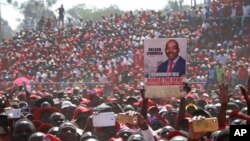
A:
(110, 51)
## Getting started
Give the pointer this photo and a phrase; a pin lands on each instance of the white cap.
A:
(66, 104)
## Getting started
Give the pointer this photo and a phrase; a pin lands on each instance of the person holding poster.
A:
(175, 63)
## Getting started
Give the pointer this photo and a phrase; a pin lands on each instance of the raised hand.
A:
(223, 93)
(246, 92)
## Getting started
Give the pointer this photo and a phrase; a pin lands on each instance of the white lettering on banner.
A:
(166, 91)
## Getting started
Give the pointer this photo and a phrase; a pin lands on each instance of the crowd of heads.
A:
(110, 52)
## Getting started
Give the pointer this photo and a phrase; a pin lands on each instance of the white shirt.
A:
(222, 59)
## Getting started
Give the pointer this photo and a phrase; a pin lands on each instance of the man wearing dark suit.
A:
(175, 63)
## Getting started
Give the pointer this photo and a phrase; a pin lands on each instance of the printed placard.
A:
(164, 67)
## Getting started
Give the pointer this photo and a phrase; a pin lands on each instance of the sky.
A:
(11, 15)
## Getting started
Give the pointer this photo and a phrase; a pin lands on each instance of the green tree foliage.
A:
(81, 11)
(50, 3)
(36, 8)
(33, 10)
(9, 1)
(174, 5)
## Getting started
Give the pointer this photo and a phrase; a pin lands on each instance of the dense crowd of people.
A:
(99, 67)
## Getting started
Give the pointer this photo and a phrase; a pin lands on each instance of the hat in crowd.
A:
(39, 102)
(239, 103)
(34, 97)
(130, 99)
(111, 99)
(88, 135)
(103, 108)
(40, 111)
(236, 122)
(140, 102)
(179, 138)
(136, 136)
(53, 130)
(50, 137)
(44, 127)
(115, 139)
(154, 107)
(223, 135)
(85, 101)
(79, 110)
(124, 131)
(202, 103)
(190, 95)
(25, 109)
(128, 108)
(36, 136)
(168, 106)
(200, 112)
(156, 124)
(21, 95)
(175, 135)
(164, 131)
(22, 104)
(66, 104)
(171, 113)
(232, 106)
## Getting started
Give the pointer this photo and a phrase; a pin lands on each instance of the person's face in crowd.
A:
(67, 132)
(22, 130)
(172, 50)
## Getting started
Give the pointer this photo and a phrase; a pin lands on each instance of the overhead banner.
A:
(165, 67)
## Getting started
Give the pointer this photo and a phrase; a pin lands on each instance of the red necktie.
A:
(170, 66)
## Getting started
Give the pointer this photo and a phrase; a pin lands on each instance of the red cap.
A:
(81, 110)
(189, 95)
(173, 134)
(115, 139)
(168, 106)
(139, 103)
(33, 96)
(85, 101)
(21, 95)
(111, 99)
(152, 107)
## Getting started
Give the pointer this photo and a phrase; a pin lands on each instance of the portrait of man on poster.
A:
(175, 64)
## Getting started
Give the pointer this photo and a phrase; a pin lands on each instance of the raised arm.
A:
(182, 109)
(224, 99)
(246, 94)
